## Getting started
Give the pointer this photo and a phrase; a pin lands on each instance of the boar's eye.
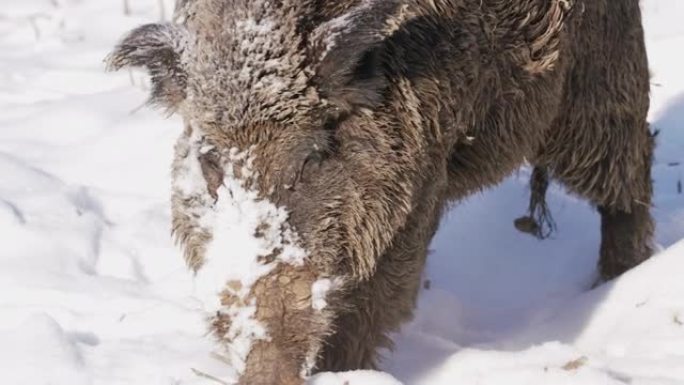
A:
(313, 161)
(159, 48)
(307, 167)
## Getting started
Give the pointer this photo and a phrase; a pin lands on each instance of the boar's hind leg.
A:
(619, 185)
(613, 173)
(601, 147)
(625, 239)
(609, 164)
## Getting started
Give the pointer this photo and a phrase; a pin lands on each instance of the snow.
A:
(93, 290)
(319, 292)
(357, 377)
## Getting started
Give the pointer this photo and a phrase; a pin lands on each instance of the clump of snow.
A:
(361, 377)
(319, 292)
(263, 27)
(244, 331)
(93, 291)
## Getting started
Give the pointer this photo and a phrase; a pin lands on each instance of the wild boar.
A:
(334, 133)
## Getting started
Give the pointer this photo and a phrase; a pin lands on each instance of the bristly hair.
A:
(539, 24)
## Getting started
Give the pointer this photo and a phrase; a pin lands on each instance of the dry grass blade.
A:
(208, 377)
(575, 364)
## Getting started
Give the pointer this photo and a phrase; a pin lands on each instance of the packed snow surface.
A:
(93, 291)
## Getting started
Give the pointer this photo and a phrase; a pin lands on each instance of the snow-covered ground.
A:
(92, 290)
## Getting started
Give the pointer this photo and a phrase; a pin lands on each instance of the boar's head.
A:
(261, 80)
(266, 90)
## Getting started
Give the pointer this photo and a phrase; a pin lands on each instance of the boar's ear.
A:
(160, 49)
(348, 52)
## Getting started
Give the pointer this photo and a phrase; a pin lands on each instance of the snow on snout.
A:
(244, 230)
(244, 227)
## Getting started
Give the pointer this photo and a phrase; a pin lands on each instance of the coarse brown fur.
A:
(365, 118)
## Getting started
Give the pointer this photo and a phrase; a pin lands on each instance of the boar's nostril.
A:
(212, 172)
